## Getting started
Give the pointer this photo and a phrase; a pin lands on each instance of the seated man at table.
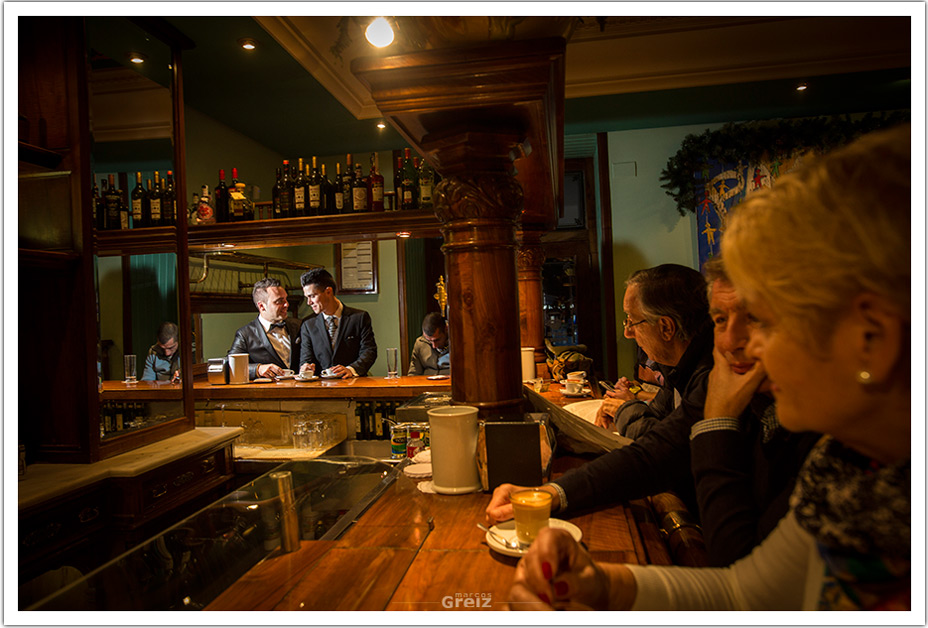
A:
(163, 361)
(272, 340)
(742, 470)
(431, 355)
(336, 338)
(666, 313)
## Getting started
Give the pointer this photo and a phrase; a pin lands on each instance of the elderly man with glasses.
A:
(667, 314)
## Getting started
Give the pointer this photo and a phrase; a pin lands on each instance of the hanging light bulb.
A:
(379, 33)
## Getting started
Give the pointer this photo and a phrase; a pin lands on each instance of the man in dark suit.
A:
(272, 341)
(335, 337)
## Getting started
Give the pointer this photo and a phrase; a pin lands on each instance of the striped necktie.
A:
(331, 325)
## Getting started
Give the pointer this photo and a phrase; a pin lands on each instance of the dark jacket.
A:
(253, 340)
(354, 346)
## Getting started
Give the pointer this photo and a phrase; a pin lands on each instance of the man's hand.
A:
(500, 507)
(729, 393)
(269, 370)
(340, 371)
(307, 369)
(622, 391)
(605, 415)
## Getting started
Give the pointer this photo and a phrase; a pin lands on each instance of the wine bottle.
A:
(275, 197)
(347, 185)
(154, 200)
(398, 183)
(169, 201)
(112, 203)
(222, 198)
(375, 186)
(409, 181)
(426, 185)
(358, 191)
(286, 192)
(328, 193)
(95, 203)
(339, 192)
(137, 200)
(315, 191)
(301, 191)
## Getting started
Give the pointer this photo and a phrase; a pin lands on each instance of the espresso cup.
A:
(532, 510)
(581, 375)
(573, 386)
(288, 372)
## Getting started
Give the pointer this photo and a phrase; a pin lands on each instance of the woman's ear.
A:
(880, 337)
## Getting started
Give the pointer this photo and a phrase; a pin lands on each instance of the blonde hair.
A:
(822, 235)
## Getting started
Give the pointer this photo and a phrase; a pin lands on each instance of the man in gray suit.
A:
(272, 341)
(336, 337)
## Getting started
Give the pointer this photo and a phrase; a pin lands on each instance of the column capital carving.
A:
(483, 196)
(531, 257)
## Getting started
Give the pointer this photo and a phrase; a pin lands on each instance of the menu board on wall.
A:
(356, 271)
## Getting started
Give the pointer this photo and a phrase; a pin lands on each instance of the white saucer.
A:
(507, 530)
(261, 380)
(331, 377)
(582, 393)
(423, 470)
(283, 377)
(300, 378)
(438, 377)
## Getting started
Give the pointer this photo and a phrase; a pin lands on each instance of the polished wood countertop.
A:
(404, 387)
(413, 551)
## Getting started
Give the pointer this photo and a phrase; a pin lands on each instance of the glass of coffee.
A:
(531, 509)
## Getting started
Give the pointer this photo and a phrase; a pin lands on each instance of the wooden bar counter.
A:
(405, 387)
(413, 551)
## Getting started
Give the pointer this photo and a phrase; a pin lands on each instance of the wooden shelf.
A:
(313, 230)
(135, 241)
(39, 156)
(47, 259)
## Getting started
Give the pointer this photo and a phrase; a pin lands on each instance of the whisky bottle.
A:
(286, 192)
(338, 191)
(358, 191)
(328, 193)
(169, 201)
(154, 200)
(205, 212)
(426, 185)
(301, 191)
(315, 191)
(139, 219)
(375, 186)
(222, 198)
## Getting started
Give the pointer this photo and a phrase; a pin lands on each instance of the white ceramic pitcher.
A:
(453, 436)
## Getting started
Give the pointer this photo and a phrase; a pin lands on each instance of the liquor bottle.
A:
(410, 195)
(347, 184)
(205, 212)
(328, 193)
(301, 192)
(358, 191)
(315, 191)
(236, 213)
(338, 194)
(222, 198)
(169, 201)
(114, 215)
(94, 203)
(155, 200)
(398, 183)
(237, 202)
(238, 193)
(139, 219)
(426, 185)
(375, 186)
(286, 192)
(275, 197)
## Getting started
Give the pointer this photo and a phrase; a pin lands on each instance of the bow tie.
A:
(281, 325)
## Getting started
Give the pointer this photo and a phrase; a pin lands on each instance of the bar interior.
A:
(314, 298)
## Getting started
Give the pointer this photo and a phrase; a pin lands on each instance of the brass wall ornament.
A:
(441, 295)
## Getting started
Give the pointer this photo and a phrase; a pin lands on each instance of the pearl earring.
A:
(863, 376)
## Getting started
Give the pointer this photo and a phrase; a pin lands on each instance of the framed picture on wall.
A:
(356, 267)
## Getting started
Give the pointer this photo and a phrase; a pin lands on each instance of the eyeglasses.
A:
(627, 323)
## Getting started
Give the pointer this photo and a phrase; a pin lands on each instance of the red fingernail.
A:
(544, 598)
(546, 570)
(560, 588)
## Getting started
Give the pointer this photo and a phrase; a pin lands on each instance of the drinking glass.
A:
(129, 364)
(531, 509)
(392, 371)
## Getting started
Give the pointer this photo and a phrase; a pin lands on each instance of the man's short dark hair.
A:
(319, 277)
(675, 291)
(714, 270)
(259, 293)
(432, 322)
(166, 331)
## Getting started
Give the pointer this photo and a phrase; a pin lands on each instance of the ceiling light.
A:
(381, 125)
(137, 57)
(403, 234)
(379, 33)
(802, 87)
(248, 43)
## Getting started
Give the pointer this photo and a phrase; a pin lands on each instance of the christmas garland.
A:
(753, 141)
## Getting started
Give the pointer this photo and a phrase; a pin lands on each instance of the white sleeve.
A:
(772, 577)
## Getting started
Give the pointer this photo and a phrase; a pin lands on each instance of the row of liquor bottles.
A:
(119, 416)
(154, 205)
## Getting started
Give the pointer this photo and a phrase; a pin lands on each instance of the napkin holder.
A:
(515, 452)
(217, 371)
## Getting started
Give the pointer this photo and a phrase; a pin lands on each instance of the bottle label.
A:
(123, 220)
(299, 198)
(339, 201)
(156, 209)
(315, 196)
(237, 206)
(359, 196)
(407, 195)
(425, 193)
(377, 193)
(136, 209)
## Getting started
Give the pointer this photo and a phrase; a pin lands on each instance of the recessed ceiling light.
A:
(403, 234)
(379, 33)
(381, 125)
(802, 87)
(137, 57)
(248, 43)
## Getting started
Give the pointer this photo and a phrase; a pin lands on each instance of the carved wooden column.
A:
(531, 296)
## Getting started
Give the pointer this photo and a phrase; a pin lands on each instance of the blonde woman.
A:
(823, 262)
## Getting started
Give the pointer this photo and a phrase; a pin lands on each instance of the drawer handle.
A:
(88, 514)
(182, 479)
(207, 465)
(159, 491)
